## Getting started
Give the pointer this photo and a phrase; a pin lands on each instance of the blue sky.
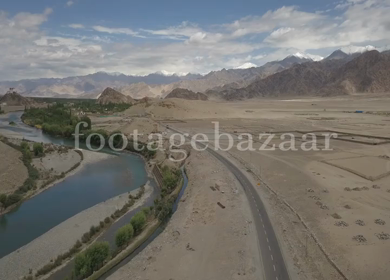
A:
(58, 38)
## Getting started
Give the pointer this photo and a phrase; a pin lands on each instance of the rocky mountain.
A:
(260, 73)
(153, 85)
(89, 85)
(338, 54)
(369, 72)
(110, 95)
(186, 94)
(12, 98)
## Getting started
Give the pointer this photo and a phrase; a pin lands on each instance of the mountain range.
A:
(339, 75)
(226, 83)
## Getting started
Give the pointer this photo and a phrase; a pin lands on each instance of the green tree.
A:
(88, 121)
(38, 149)
(138, 221)
(123, 235)
(3, 199)
(92, 259)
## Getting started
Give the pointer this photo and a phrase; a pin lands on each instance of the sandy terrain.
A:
(336, 202)
(62, 237)
(181, 109)
(202, 240)
(57, 163)
(145, 126)
(13, 173)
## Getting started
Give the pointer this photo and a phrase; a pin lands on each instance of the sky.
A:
(60, 38)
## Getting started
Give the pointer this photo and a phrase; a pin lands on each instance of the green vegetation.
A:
(170, 179)
(138, 221)
(12, 123)
(92, 259)
(56, 120)
(38, 149)
(126, 252)
(1, 111)
(123, 235)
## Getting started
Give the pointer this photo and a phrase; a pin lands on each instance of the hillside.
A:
(366, 73)
(110, 95)
(12, 98)
(186, 94)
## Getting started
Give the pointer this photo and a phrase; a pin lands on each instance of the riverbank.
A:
(53, 164)
(62, 237)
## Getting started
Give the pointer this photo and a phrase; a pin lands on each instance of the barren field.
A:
(338, 223)
(13, 173)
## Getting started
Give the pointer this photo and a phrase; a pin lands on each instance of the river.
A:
(95, 183)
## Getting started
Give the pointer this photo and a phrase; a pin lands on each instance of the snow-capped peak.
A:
(308, 56)
(246, 65)
(167, 73)
(357, 49)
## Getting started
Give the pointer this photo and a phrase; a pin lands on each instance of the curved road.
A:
(273, 263)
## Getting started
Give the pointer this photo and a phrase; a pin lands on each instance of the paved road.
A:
(273, 263)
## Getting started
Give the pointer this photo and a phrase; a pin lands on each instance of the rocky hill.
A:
(368, 72)
(186, 94)
(110, 95)
(12, 98)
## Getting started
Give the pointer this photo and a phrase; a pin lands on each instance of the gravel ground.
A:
(62, 237)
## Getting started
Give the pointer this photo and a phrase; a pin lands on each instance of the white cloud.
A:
(126, 31)
(30, 51)
(76, 26)
(69, 3)
(246, 65)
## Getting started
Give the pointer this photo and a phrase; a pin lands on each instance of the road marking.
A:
(267, 240)
(263, 226)
(277, 278)
(272, 257)
(274, 268)
(265, 232)
(269, 247)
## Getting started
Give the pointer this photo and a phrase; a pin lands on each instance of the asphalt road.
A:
(273, 262)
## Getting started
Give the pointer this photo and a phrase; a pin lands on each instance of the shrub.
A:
(12, 199)
(86, 237)
(138, 221)
(107, 220)
(92, 259)
(92, 231)
(38, 149)
(3, 199)
(24, 145)
(146, 211)
(123, 235)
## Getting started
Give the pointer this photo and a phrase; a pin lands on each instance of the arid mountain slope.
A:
(12, 98)
(186, 94)
(368, 72)
(110, 95)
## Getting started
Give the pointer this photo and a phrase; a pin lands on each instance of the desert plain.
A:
(330, 209)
